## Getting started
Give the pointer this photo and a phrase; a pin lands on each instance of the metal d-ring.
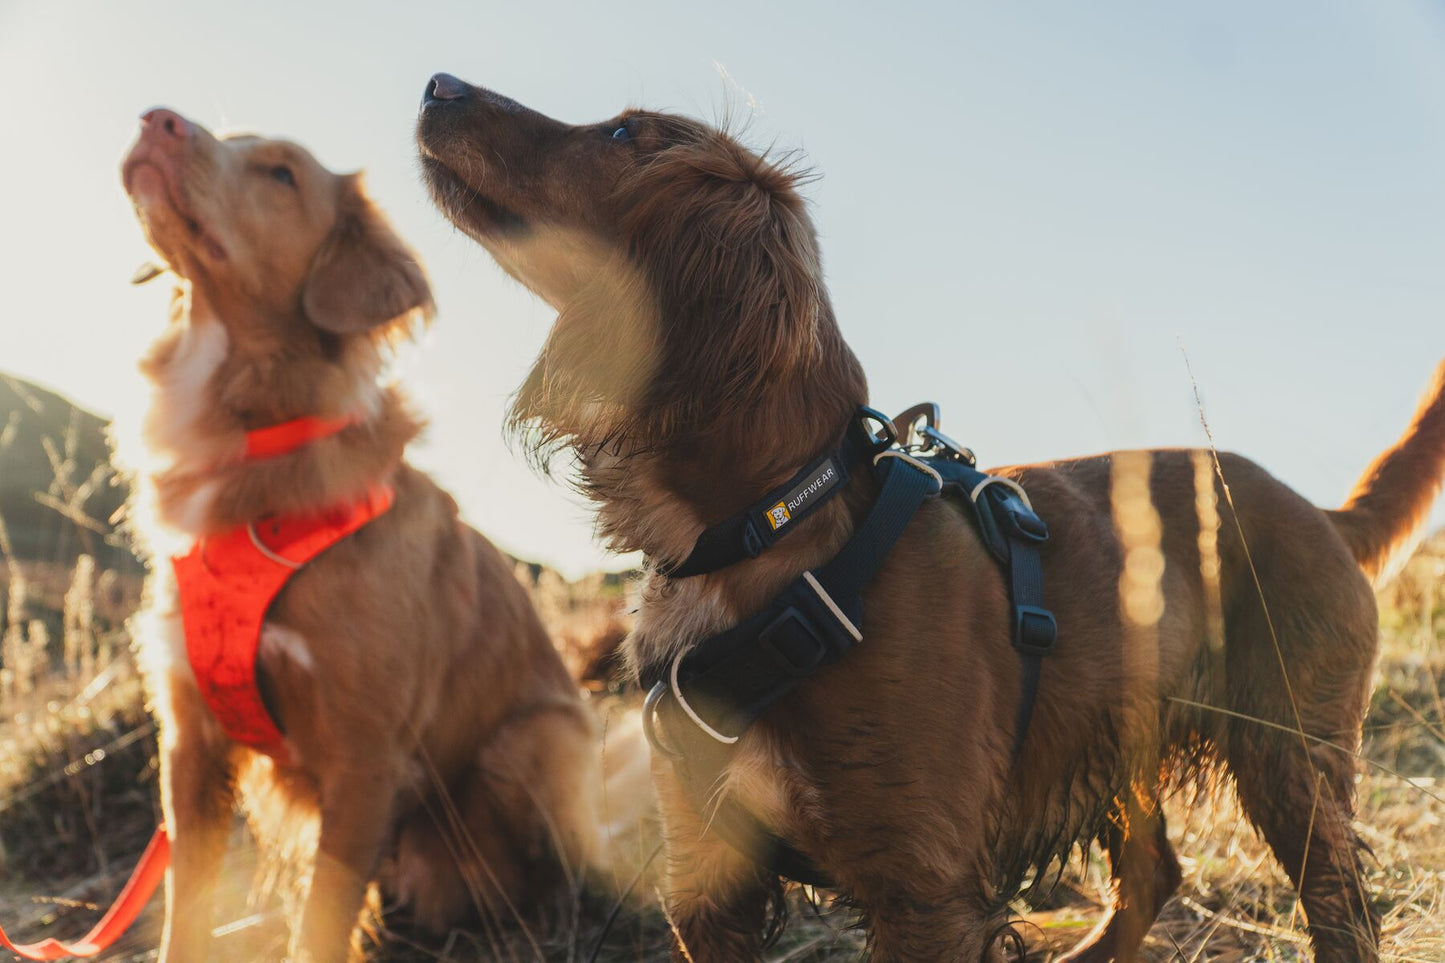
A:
(906, 424)
(649, 725)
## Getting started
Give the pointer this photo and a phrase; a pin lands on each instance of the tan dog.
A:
(427, 717)
(695, 364)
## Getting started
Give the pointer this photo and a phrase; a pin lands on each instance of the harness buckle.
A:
(1028, 525)
(772, 634)
(1035, 630)
(752, 540)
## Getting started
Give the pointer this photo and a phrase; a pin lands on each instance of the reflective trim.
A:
(904, 456)
(677, 694)
(278, 559)
(833, 607)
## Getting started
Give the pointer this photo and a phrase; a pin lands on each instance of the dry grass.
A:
(78, 789)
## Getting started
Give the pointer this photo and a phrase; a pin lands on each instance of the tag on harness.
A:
(808, 492)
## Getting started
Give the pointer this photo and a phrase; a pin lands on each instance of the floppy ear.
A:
(364, 275)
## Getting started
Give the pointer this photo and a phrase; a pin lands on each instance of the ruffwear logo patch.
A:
(807, 494)
(778, 516)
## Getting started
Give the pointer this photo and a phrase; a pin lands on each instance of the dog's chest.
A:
(179, 395)
(672, 616)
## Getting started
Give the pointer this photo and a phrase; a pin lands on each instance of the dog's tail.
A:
(1385, 513)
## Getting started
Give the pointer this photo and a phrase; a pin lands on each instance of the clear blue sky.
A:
(1026, 208)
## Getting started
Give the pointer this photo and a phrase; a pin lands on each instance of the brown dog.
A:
(695, 364)
(427, 718)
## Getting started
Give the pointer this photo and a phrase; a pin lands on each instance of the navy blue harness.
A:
(712, 693)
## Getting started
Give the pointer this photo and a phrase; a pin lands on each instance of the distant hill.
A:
(58, 490)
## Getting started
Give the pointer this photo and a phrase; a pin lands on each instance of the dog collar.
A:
(286, 437)
(757, 527)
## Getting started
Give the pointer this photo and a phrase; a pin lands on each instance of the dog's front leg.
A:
(198, 798)
(356, 811)
(716, 897)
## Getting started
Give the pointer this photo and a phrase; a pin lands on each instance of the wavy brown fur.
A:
(1391, 501)
(695, 363)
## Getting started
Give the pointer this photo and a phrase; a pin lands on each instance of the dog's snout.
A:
(444, 87)
(165, 125)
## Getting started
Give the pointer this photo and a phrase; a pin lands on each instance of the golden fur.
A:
(430, 722)
(695, 363)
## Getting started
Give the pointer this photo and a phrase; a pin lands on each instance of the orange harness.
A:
(228, 581)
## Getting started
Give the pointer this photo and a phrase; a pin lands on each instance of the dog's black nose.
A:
(444, 87)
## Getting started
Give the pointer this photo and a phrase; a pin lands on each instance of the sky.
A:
(1031, 213)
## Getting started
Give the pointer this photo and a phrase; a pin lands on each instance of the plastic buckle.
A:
(1028, 525)
(797, 670)
(752, 540)
(1035, 630)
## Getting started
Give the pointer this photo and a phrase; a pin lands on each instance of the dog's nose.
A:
(165, 125)
(444, 87)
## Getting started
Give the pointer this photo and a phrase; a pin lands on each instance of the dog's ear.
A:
(725, 239)
(364, 275)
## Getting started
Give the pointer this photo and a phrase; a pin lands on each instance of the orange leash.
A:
(143, 881)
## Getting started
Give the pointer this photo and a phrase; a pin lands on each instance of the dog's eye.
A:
(282, 175)
(622, 133)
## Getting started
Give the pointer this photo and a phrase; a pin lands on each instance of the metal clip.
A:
(907, 423)
(946, 446)
(927, 438)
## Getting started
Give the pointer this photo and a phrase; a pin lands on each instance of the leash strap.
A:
(143, 881)
(748, 533)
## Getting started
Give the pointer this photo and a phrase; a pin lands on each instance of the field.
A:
(78, 797)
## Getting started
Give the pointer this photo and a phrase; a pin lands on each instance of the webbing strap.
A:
(143, 881)
(724, 683)
(747, 533)
(1014, 533)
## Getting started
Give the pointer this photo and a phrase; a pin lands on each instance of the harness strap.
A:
(756, 528)
(227, 582)
(1013, 533)
(726, 682)
(710, 694)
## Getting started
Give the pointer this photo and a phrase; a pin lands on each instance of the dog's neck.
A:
(213, 381)
(657, 496)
